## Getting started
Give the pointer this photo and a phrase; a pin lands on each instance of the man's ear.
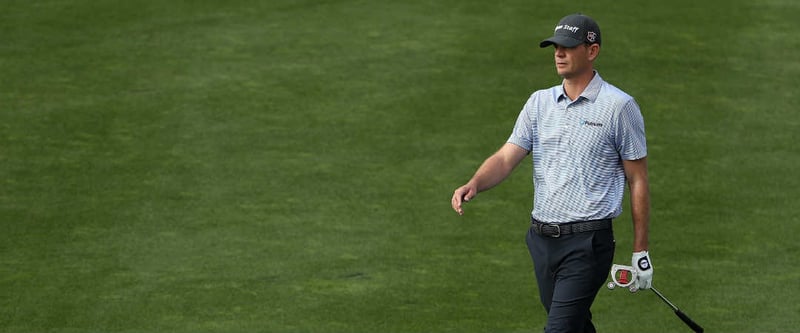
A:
(594, 51)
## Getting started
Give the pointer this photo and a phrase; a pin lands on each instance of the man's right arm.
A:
(493, 171)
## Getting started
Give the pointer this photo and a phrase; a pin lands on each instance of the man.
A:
(587, 140)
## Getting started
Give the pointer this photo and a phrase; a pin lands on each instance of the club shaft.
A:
(661, 296)
(688, 321)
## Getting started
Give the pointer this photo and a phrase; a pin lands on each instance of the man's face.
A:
(573, 61)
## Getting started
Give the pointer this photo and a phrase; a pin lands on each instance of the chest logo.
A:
(590, 123)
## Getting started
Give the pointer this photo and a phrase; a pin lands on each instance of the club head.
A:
(623, 276)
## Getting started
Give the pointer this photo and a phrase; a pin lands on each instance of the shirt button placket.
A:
(568, 124)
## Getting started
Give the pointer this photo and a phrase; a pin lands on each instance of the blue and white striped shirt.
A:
(578, 147)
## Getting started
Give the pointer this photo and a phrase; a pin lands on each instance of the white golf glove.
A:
(644, 268)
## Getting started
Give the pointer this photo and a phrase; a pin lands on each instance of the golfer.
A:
(587, 139)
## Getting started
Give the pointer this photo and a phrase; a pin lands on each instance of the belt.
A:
(555, 230)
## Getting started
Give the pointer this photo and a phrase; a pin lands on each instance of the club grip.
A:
(689, 321)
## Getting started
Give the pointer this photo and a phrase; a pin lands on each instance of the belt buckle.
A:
(558, 230)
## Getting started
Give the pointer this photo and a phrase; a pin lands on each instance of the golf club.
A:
(624, 276)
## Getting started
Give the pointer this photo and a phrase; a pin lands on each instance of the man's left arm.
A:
(636, 174)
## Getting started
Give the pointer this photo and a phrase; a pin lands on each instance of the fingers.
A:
(646, 281)
(456, 202)
(460, 196)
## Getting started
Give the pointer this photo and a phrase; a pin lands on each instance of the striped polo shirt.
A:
(578, 147)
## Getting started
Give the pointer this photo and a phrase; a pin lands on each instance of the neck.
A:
(574, 86)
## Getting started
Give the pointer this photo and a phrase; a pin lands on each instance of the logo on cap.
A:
(567, 27)
(591, 36)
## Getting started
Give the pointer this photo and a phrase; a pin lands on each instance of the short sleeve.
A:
(630, 134)
(522, 134)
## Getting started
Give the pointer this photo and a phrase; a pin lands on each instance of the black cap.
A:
(574, 30)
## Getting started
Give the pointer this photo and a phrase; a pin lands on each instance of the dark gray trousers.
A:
(570, 270)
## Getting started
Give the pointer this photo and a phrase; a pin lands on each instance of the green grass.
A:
(286, 166)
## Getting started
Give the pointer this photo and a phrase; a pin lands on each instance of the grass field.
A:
(286, 166)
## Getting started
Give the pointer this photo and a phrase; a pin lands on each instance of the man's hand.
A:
(461, 195)
(644, 269)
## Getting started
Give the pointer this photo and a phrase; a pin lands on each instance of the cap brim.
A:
(561, 40)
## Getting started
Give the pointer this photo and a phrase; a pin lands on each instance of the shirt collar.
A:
(590, 93)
